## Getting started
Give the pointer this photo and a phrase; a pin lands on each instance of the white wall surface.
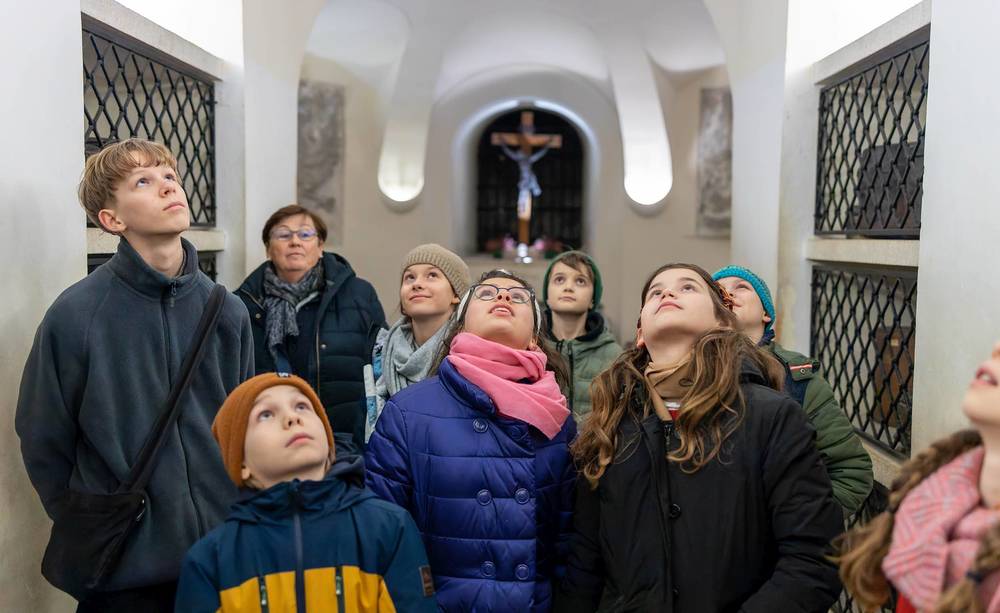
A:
(958, 286)
(43, 251)
(753, 38)
(274, 42)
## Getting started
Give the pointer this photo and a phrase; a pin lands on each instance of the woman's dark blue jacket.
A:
(336, 334)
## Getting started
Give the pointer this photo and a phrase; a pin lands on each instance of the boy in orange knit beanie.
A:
(277, 445)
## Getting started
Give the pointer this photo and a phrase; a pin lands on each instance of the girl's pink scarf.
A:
(936, 533)
(497, 370)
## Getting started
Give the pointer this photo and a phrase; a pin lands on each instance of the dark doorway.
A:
(557, 214)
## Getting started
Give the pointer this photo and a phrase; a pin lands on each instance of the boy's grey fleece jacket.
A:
(102, 363)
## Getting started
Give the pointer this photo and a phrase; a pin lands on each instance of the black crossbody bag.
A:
(90, 530)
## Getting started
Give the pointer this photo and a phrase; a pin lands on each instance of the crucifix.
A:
(527, 185)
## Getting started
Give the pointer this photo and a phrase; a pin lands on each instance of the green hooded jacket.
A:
(586, 356)
(847, 463)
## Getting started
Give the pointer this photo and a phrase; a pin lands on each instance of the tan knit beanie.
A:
(453, 267)
(230, 425)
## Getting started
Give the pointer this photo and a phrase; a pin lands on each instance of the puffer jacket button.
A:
(521, 572)
(517, 432)
(257, 316)
(675, 511)
(677, 592)
(522, 496)
(322, 345)
(479, 425)
(484, 497)
(488, 569)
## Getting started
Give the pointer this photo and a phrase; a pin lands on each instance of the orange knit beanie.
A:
(230, 425)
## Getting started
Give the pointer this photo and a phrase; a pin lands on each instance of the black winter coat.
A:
(340, 328)
(747, 532)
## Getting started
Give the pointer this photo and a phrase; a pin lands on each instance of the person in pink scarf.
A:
(479, 455)
(938, 543)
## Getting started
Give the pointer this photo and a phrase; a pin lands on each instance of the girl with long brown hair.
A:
(702, 489)
(938, 542)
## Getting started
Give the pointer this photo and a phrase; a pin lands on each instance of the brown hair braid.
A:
(863, 548)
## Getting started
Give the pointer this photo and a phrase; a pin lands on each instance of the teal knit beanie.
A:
(756, 282)
(598, 285)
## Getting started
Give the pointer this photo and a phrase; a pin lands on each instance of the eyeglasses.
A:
(489, 293)
(305, 235)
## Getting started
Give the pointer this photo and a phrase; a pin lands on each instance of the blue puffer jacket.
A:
(492, 496)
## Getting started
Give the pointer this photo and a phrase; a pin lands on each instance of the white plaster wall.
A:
(44, 251)
(274, 41)
(959, 289)
(753, 38)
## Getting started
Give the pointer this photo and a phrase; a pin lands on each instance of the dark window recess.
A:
(557, 214)
(871, 149)
(876, 502)
(128, 94)
(863, 334)
(206, 262)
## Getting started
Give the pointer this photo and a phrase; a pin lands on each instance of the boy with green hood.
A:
(847, 463)
(571, 291)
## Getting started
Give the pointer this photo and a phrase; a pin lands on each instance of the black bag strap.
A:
(138, 477)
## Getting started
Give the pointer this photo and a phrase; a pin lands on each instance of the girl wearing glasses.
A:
(312, 316)
(432, 281)
(479, 455)
(701, 487)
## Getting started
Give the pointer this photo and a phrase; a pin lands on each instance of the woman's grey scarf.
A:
(403, 363)
(282, 300)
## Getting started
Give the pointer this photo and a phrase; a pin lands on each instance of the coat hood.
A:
(342, 487)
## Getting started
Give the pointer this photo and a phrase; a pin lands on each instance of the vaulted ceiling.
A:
(414, 52)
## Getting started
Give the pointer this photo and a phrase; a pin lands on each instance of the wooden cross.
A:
(525, 140)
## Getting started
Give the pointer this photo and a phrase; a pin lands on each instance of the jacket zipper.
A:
(264, 607)
(316, 387)
(341, 606)
(173, 293)
(668, 430)
(572, 377)
(300, 578)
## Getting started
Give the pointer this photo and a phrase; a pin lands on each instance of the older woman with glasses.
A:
(313, 316)
(479, 455)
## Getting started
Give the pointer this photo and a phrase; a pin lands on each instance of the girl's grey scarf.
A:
(402, 362)
(282, 300)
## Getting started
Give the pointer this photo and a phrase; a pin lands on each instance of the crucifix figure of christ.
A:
(527, 185)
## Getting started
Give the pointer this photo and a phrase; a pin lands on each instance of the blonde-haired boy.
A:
(104, 358)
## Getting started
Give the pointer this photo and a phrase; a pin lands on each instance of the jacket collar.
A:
(336, 271)
(129, 266)
(342, 487)
(463, 390)
(592, 330)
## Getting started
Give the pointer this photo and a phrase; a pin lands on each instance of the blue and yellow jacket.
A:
(310, 546)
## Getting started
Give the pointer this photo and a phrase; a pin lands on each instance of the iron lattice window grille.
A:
(876, 502)
(558, 213)
(871, 149)
(206, 262)
(863, 331)
(128, 93)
